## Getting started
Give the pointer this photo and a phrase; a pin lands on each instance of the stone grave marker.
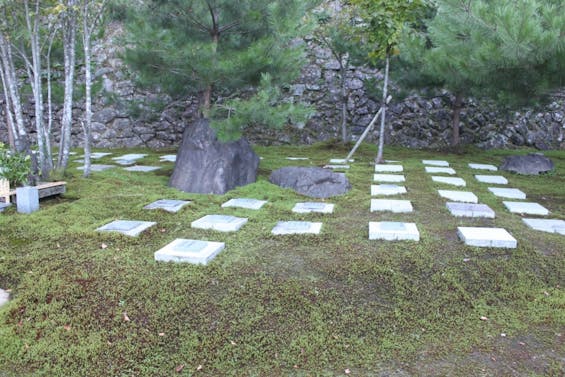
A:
(509, 193)
(483, 167)
(168, 158)
(127, 227)
(393, 231)
(486, 237)
(309, 207)
(170, 205)
(439, 170)
(390, 178)
(246, 203)
(189, 251)
(97, 167)
(470, 210)
(221, 223)
(449, 180)
(435, 163)
(296, 227)
(4, 297)
(459, 196)
(387, 189)
(386, 168)
(396, 206)
(494, 179)
(142, 168)
(527, 208)
(546, 225)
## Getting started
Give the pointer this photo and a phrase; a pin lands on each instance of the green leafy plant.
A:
(15, 167)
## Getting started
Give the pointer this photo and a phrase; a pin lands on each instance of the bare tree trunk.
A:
(343, 72)
(9, 116)
(379, 158)
(456, 120)
(49, 128)
(86, 125)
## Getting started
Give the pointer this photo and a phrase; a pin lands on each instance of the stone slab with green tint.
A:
(142, 168)
(454, 181)
(435, 163)
(246, 203)
(168, 158)
(393, 231)
(98, 167)
(221, 223)
(470, 210)
(170, 205)
(189, 251)
(388, 205)
(509, 193)
(387, 168)
(387, 189)
(483, 167)
(546, 225)
(309, 207)
(390, 178)
(3, 206)
(494, 179)
(439, 170)
(487, 237)
(296, 227)
(127, 227)
(97, 155)
(459, 196)
(528, 208)
(341, 161)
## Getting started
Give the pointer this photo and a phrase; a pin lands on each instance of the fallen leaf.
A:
(233, 343)
(466, 259)
(522, 343)
(483, 318)
(546, 293)
(179, 368)
(503, 335)
(163, 230)
(347, 371)
(126, 318)
(58, 245)
(199, 367)
(161, 334)
(67, 327)
(103, 246)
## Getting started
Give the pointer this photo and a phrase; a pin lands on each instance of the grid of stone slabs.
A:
(486, 237)
(459, 196)
(170, 205)
(470, 210)
(296, 227)
(142, 168)
(246, 203)
(528, 208)
(386, 168)
(483, 167)
(495, 179)
(435, 163)
(546, 225)
(127, 227)
(387, 189)
(309, 207)
(4, 297)
(439, 170)
(396, 206)
(390, 178)
(449, 180)
(509, 193)
(221, 223)
(393, 231)
(189, 251)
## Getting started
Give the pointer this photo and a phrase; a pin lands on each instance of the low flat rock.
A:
(189, 251)
(470, 210)
(297, 158)
(546, 225)
(531, 164)
(435, 163)
(97, 167)
(459, 196)
(439, 170)
(296, 227)
(309, 207)
(127, 227)
(337, 167)
(528, 208)
(247, 203)
(389, 178)
(97, 155)
(487, 237)
(387, 168)
(3, 206)
(169, 205)
(493, 179)
(168, 158)
(393, 231)
(509, 193)
(387, 189)
(483, 167)
(388, 205)
(221, 223)
(4, 297)
(311, 181)
(142, 168)
(341, 161)
(454, 181)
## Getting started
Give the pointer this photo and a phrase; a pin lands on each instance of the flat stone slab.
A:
(546, 225)
(130, 156)
(244, 203)
(449, 180)
(391, 178)
(297, 158)
(170, 205)
(309, 207)
(168, 158)
(97, 155)
(341, 161)
(495, 179)
(337, 167)
(189, 251)
(97, 167)
(393, 231)
(510, 193)
(396, 206)
(470, 210)
(528, 208)
(296, 227)
(486, 237)
(386, 168)
(142, 168)
(459, 196)
(3, 206)
(483, 167)
(127, 227)
(387, 189)
(435, 163)
(436, 170)
(221, 223)
(4, 297)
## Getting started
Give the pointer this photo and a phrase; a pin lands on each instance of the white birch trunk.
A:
(86, 125)
(12, 133)
(379, 158)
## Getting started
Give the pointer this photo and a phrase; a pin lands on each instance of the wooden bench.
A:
(45, 189)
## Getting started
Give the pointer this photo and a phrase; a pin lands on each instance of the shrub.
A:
(15, 167)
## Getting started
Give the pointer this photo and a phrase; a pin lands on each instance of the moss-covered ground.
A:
(86, 303)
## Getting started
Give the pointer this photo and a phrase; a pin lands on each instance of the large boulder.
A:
(205, 165)
(313, 182)
(531, 164)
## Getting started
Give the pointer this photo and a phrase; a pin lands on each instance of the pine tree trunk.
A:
(457, 105)
(343, 72)
(379, 158)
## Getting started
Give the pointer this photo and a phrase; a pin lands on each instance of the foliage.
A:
(14, 166)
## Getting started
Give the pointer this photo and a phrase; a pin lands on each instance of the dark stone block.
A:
(531, 164)
(312, 182)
